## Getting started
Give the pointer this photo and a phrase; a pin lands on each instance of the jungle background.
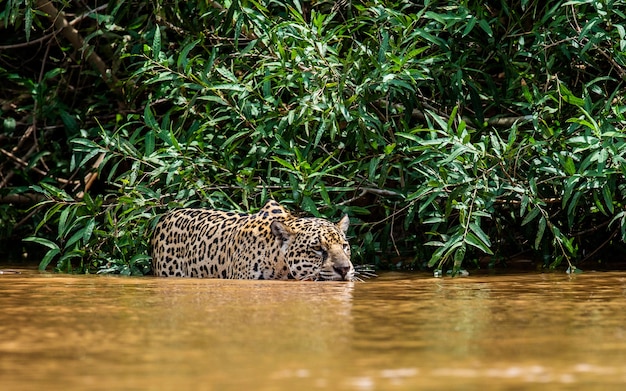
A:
(456, 135)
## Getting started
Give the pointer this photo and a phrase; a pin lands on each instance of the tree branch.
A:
(23, 163)
(71, 34)
(26, 198)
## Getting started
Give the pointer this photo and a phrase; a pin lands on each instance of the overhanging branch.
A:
(71, 34)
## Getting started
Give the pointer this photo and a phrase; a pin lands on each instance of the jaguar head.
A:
(315, 249)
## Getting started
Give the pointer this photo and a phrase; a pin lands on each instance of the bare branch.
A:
(26, 198)
(23, 163)
(91, 177)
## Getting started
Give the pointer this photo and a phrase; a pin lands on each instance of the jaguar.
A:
(269, 244)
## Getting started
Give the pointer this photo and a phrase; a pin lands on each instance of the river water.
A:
(395, 332)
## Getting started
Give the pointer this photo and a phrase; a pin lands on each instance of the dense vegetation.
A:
(455, 135)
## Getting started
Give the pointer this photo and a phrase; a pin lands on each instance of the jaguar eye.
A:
(319, 251)
(346, 248)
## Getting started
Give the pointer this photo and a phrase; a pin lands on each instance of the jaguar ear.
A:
(344, 223)
(281, 231)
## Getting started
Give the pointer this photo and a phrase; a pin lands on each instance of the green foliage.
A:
(448, 131)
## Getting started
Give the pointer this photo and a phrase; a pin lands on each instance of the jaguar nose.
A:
(343, 270)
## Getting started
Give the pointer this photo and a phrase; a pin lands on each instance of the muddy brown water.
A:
(396, 332)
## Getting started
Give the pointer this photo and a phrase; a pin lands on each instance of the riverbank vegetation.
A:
(455, 135)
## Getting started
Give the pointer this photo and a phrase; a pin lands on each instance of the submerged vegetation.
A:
(455, 135)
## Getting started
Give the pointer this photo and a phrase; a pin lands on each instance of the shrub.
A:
(448, 131)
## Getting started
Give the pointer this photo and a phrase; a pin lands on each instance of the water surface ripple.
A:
(396, 332)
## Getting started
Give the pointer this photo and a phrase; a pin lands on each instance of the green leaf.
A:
(384, 46)
(89, 202)
(56, 192)
(139, 258)
(469, 26)
(569, 97)
(598, 203)
(75, 237)
(458, 150)
(47, 258)
(373, 168)
(443, 125)
(475, 228)
(531, 215)
(88, 230)
(571, 209)
(156, 43)
(84, 145)
(389, 149)
(451, 119)
(541, 228)
(228, 75)
(523, 205)
(284, 163)
(64, 263)
(9, 125)
(309, 206)
(89, 156)
(42, 241)
(436, 256)
(52, 210)
(63, 221)
(475, 241)
(183, 61)
(28, 17)
(459, 256)
(570, 186)
(149, 141)
(149, 118)
(608, 198)
(486, 28)
(568, 165)
(69, 121)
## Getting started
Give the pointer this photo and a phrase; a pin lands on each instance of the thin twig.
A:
(28, 216)
(72, 35)
(29, 43)
(584, 40)
(46, 37)
(25, 198)
(369, 190)
(553, 200)
(592, 229)
(393, 224)
(594, 252)
(492, 121)
(23, 163)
